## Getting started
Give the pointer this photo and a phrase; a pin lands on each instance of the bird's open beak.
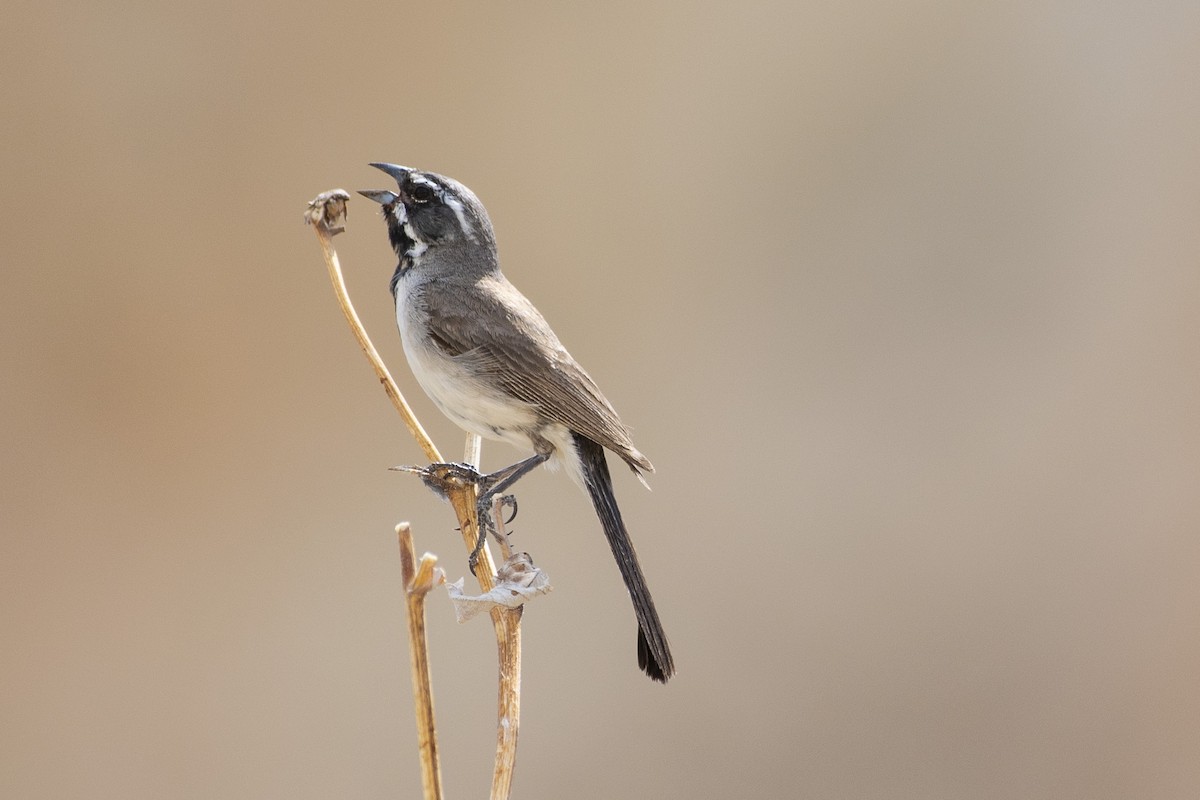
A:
(381, 196)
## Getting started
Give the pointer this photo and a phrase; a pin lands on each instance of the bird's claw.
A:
(509, 501)
(443, 477)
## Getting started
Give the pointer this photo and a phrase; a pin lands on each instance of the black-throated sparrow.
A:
(491, 363)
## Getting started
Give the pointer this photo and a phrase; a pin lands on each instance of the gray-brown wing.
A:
(524, 357)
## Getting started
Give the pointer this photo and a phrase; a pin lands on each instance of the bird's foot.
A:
(488, 524)
(442, 477)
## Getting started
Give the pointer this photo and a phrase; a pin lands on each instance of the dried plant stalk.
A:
(326, 213)
(418, 581)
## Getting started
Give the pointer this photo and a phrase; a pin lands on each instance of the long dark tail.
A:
(654, 656)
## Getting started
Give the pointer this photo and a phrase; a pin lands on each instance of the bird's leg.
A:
(493, 484)
(496, 482)
(441, 477)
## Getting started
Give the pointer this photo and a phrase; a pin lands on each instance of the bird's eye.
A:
(421, 192)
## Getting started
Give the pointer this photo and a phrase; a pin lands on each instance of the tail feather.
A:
(654, 655)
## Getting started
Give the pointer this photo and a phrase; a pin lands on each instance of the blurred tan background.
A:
(903, 300)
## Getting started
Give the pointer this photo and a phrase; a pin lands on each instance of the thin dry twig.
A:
(326, 213)
(508, 712)
(418, 581)
(507, 625)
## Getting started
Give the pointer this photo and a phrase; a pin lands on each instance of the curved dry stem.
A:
(327, 213)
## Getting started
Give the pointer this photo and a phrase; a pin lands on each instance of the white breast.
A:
(469, 402)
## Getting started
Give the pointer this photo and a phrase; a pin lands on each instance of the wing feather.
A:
(544, 375)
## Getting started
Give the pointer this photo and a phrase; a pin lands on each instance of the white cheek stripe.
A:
(457, 207)
(418, 247)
